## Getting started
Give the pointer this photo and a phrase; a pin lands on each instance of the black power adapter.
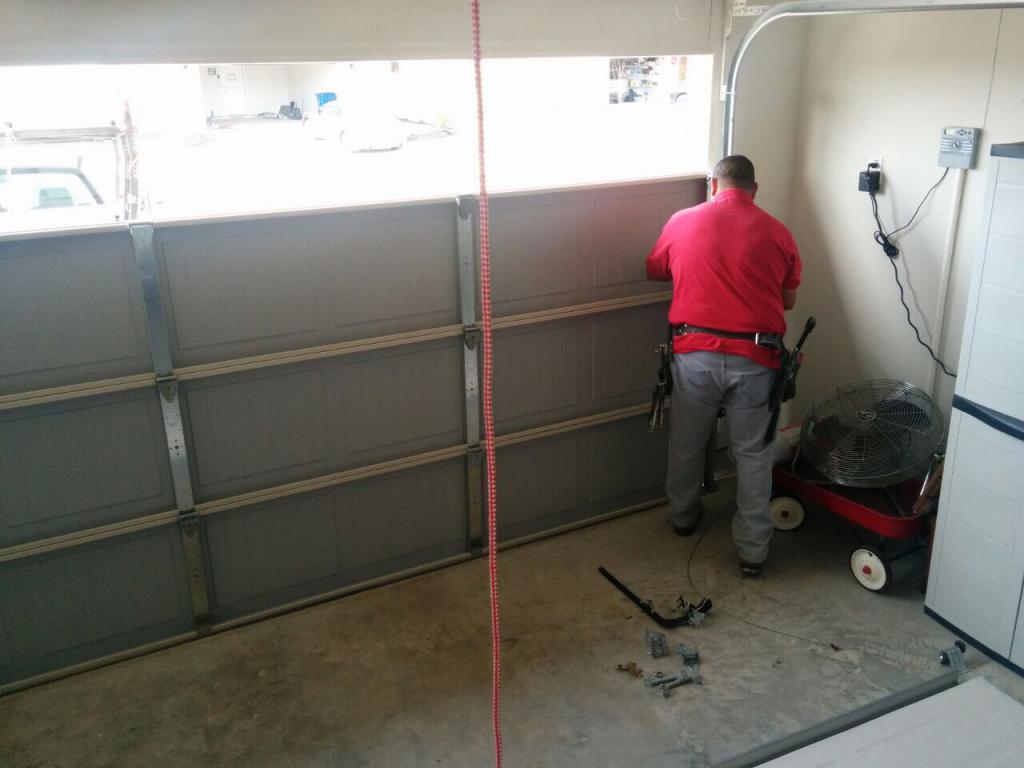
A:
(870, 180)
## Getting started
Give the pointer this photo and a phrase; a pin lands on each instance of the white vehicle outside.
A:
(356, 131)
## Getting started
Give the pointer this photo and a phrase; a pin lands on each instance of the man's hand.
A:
(789, 298)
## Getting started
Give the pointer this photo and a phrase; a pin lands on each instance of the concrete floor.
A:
(399, 676)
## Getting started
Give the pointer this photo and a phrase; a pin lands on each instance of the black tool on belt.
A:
(663, 388)
(784, 386)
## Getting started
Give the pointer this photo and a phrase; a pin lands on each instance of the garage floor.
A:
(399, 676)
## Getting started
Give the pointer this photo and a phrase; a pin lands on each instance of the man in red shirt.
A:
(734, 271)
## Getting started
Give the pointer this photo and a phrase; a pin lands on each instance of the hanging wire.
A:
(890, 249)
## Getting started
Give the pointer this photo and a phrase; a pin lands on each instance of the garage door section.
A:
(91, 562)
(576, 326)
(209, 421)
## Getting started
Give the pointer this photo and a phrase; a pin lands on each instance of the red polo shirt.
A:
(728, 262)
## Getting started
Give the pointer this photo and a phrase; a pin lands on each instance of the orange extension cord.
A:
(488, 400)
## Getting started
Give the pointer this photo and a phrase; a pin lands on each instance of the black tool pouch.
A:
(665, 372)
(789, 390)
(663, 386)
(784, 386)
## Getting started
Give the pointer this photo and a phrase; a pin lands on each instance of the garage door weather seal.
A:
(488, 398)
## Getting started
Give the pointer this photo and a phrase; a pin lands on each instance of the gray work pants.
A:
(703, 383)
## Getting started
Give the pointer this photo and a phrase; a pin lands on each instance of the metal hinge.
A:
(167, 384)
(472, 335)
(188, 518)
(475, 453)
(466, 205)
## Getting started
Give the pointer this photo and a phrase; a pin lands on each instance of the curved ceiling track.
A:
(831, 8)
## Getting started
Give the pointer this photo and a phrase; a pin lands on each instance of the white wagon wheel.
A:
(869, 569)
(787, 513)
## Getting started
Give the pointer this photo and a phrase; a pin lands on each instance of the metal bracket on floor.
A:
(656, 644)
(953, 657)
(174, 431)
(667, 683)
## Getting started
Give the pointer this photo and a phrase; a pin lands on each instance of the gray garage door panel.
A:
(565, 479)
(572, 247)
(624, 361)
(537, 251)
(70, 311)
(90, 601)
(538, 485)
(538, 373)
(282, 551)
(256, 430)
(625, 227)
(563, 370)
(625, 458)
(74, 465)
(235, 290)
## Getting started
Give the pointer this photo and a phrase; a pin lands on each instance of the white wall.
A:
(767, 122)
(886, 85)
(266, 88)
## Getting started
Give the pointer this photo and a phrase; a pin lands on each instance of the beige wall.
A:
(886, 85)
(767, 120)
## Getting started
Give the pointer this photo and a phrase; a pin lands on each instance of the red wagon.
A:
(894, 519)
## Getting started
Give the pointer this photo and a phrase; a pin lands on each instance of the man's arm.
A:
(657, 259)
(795, 273)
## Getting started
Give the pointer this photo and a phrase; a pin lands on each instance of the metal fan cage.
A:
(871, 434)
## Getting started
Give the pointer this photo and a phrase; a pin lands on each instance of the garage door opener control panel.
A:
(958, 147)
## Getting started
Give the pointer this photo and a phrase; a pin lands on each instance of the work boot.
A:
(687, 530)
(750, 570)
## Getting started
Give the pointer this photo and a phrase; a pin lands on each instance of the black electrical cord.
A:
(917, 333)
(693, 552)
(689, 577)
(889, 248)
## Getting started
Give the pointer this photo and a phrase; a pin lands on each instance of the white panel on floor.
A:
(973, 724)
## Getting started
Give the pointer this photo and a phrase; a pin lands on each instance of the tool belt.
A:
(761, 339)
(783, 385)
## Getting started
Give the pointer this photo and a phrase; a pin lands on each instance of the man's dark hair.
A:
(735, 171)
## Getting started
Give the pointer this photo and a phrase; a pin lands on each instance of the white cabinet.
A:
(978, 554)
(991, 371)
(977, 567)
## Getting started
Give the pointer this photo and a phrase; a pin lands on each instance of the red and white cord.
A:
(488, 400)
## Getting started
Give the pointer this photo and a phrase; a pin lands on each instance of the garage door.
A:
(206, 422)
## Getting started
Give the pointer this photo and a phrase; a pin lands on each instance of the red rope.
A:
(488, 403)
